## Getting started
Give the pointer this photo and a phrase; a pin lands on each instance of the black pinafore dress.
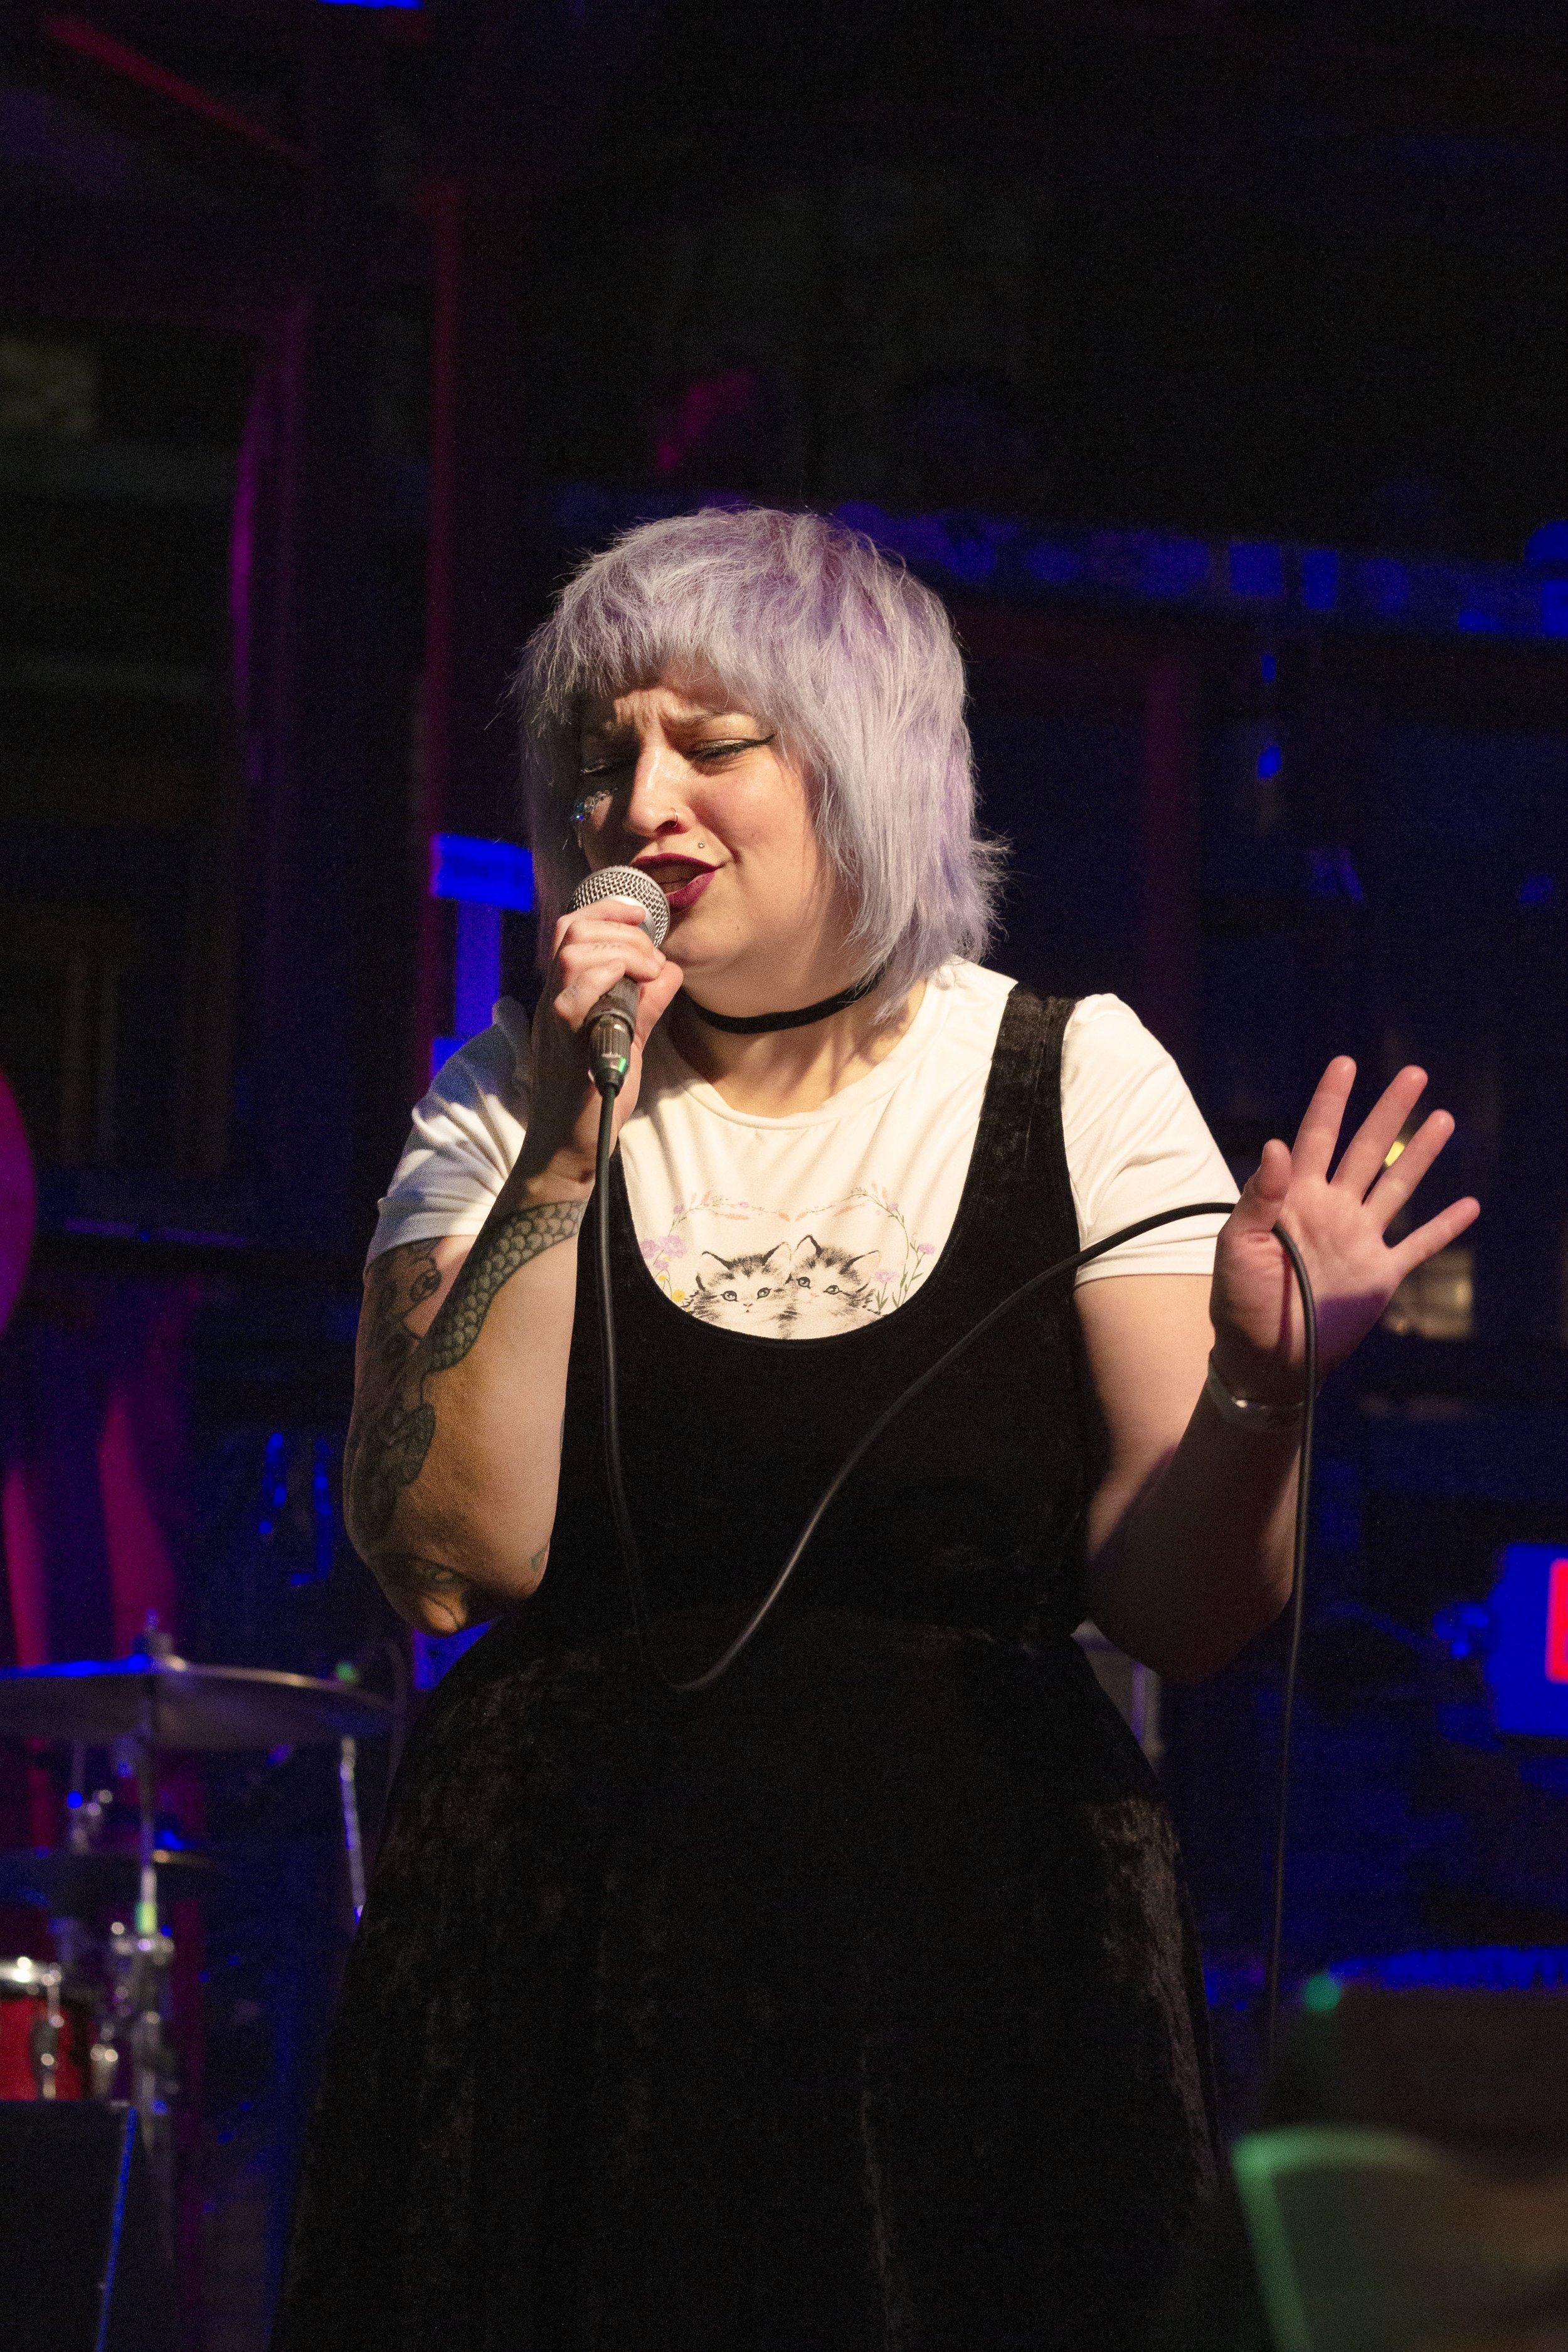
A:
(852, 2006)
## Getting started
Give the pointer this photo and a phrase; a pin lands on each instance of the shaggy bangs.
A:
(848, 658)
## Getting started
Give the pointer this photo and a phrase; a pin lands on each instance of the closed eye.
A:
(595, 778)
(596, 771)
(710, 752)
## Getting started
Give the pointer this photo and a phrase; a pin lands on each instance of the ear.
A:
(806, 1243)
(863, 1267)
(777, 1259)
(710, 1258)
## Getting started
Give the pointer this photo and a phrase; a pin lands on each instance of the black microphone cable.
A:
(686, 1687)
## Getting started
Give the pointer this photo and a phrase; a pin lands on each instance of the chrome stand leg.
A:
(43, 2042)
(349, 1792)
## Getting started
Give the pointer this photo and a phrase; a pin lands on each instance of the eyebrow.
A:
(612, 730)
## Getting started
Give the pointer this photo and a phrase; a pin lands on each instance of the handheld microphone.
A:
(609, 1027)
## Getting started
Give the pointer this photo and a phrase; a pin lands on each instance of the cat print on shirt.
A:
(790, 1290)
(834, 1289)
(745, 1293)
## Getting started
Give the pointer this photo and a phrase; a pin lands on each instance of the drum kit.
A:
(92, 2023)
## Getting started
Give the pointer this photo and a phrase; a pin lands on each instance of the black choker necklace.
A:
(754, 1025)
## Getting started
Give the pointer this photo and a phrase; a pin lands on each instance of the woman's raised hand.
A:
(1338, 1221)
(594, 947)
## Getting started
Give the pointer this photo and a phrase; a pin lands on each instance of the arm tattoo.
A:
(494, 1257)
(394, 1425)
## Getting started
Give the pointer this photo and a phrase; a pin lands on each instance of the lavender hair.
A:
(851, 659)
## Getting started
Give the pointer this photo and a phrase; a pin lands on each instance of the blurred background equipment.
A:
(94, 2022)
(1405, 2187)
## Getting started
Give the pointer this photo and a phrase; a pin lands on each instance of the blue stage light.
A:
(1527, 1659)
(1466, 1968)
(487, 873)
(1319, 579)
(1257, 568)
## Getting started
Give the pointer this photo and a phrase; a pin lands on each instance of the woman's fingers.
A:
(612, 922)
(629, 953)
(625, 911)
(584, 985)
(609, 923)
(1318, 1135)
(1263, 1194)
(1397, 1181)
(594, 948)
(1434, 1235)
(1374, 1139)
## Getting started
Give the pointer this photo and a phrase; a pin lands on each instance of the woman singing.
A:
(852, 2004)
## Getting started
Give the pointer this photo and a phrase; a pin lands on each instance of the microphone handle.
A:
(610, 1028)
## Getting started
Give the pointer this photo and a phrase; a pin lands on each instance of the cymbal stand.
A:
(140, 1961)
(354, 1845)
(44, 2048)
(84, 1823)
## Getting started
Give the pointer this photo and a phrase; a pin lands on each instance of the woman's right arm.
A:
(453, 1451)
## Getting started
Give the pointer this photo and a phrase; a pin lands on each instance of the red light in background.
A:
(1557, 1623)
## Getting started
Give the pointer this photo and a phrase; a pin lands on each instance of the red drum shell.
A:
(25, 2002)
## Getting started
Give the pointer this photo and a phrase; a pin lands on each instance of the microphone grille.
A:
(626, 882)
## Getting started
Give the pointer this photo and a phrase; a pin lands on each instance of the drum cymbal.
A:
(73, 1883)
(178, 1705)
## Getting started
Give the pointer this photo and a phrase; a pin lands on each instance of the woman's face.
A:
(674, 780)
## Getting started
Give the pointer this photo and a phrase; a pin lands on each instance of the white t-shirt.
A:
(813, 1223)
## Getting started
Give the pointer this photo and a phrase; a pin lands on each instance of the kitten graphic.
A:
(751, 1292)
(833, 1290)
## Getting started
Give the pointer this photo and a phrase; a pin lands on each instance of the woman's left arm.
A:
(1190, 1532)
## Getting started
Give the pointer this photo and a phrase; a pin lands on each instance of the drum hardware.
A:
(83, 1815)
(75, 2038)
(138, 1967)
(73, 1886)
(349, 1795)
(48, 2020)
(102, 2061)
(172, 1704)
(45, 2038)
